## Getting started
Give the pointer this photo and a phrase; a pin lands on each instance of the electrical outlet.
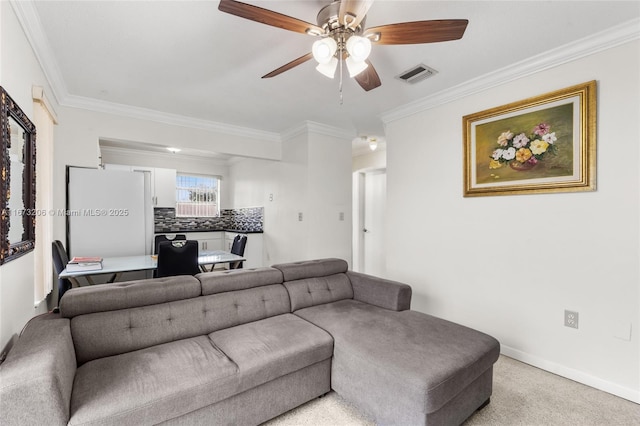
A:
(341, 216)
(570, 319)
(300, 216)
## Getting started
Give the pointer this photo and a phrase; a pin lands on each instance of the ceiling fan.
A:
(343, 37)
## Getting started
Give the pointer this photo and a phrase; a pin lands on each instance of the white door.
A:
(375, 194)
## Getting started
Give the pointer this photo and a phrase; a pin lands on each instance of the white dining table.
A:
(119, 265)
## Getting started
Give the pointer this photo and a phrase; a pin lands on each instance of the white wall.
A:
(313, 178)
(20, 71)
(471, 261)
(329, 197)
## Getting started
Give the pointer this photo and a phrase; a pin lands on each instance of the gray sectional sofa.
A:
(241, 347)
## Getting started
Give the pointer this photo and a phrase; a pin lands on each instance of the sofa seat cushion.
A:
(153, 384)
(401, 360)
(266, 349)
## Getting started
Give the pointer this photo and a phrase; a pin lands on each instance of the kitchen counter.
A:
(185, 231)
(239, 231)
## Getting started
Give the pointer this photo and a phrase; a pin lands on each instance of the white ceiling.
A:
(188, 58)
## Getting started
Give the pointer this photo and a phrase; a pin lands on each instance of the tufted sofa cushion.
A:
(237, 279)
(110, 297)
(109, 333)
(312, 268)
(317, 291)
(314, 282)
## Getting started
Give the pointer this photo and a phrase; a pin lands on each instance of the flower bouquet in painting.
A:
(521, 151)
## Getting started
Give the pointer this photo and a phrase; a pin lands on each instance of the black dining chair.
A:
(162, 238)
(60, 260)
(177, 258)
(238, 246)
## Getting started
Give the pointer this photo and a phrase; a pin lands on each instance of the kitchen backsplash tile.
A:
(249, 219)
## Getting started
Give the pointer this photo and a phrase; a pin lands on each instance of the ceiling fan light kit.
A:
(328, 68)
(329, 49)
(324, 49)
(354, 66)
(358, 47)
(341, 26)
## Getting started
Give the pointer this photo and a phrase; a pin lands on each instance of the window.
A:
(197, 195)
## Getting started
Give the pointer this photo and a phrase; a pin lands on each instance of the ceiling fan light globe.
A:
(328, 69)
(324, 50)
(359, 47)
(355, 67)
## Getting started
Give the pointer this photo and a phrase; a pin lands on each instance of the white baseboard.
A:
(578, 376)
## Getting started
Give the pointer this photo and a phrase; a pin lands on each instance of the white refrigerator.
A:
(109, 212)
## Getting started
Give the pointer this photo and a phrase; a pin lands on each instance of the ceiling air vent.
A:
(416, 74)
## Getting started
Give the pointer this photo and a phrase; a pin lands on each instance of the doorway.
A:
(369, 232)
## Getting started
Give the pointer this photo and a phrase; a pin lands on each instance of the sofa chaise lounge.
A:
(241, 347)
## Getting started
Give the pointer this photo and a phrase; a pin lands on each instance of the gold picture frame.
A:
(543, 144)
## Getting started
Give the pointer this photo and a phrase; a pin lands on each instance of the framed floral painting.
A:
(539, 145)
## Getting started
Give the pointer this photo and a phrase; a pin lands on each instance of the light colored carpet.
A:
(522, 395)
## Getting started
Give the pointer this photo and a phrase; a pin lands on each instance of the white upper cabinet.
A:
(163, 183)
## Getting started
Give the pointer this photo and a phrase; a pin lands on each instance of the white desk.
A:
(118, 265)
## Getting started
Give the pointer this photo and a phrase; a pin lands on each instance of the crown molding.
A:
(113, 108)
(307, 127)
(326, 130)
(32, 26)
(30, 21)
(615, 36)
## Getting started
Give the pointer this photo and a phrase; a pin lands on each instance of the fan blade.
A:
(418, 32)
(287, 67)
(268, 17)
(369, 78)
(354, 11)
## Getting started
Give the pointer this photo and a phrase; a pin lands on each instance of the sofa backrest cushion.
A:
(238, 279)
(102, 334)
(312, 268)
(317, 291)
(128, 294)
(316, 282)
